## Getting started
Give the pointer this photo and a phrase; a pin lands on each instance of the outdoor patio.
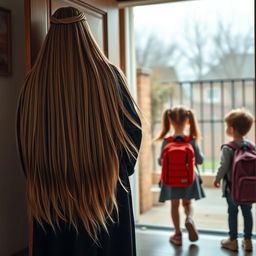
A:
(209, 213)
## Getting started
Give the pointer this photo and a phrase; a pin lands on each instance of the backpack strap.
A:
(188, 138)
(170, 139)
(179, 139)
(234, 145)
(250, 145)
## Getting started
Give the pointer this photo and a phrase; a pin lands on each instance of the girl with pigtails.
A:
(176, 120)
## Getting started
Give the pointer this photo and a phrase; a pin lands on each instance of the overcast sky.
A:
(172, 21)
(169, 18)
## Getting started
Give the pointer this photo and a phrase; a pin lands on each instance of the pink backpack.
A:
(243, 173)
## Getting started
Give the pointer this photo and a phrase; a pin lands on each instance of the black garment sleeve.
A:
(132, 130)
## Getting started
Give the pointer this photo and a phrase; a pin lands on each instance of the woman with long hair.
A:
(78, 135)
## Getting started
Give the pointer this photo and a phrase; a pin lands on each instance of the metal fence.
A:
(211, 100)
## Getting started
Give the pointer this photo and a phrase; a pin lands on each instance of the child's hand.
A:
(216, 184)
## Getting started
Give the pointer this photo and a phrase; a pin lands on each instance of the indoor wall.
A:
(13, 228)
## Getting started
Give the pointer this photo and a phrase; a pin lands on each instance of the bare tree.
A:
(232, 53)
(194, 47)
(152, 51)
(225, 53)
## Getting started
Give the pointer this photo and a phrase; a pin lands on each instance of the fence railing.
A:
(211, 100)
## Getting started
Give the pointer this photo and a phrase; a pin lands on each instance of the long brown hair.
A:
(69, 128)
(179, 115)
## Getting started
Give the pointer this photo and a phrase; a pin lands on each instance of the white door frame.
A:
(130, 64)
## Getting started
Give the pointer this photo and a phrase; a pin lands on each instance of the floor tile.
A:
(156, 243)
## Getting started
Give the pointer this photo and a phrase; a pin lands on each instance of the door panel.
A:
(96, 18)
(102, 16)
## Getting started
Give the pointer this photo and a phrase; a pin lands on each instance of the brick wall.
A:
(146, 156)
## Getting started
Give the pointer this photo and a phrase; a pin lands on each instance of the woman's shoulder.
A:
(117, 73)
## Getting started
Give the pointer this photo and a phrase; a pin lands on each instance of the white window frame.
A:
(130, 64)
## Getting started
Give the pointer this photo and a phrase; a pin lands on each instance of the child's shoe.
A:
(247, 245)
(230, 244)
(176, 239)
(192, 232)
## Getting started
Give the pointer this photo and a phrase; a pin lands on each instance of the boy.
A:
(238, 124)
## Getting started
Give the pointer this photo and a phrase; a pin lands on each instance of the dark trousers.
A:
(232, 218)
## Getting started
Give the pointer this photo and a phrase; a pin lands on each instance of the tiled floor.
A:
(156, 243)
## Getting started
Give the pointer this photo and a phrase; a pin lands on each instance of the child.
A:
(178, 118)
(238, 123)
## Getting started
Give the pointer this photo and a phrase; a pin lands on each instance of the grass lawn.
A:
(207, 166)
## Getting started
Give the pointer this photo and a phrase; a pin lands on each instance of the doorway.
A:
(204, 65)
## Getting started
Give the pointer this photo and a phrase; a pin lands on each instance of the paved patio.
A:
(209, 213)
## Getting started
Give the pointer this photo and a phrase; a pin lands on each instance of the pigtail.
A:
(165, 124)
(194, 127)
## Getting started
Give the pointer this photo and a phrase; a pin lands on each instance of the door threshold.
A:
(213, 232)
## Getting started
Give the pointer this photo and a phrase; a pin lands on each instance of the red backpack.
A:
(243, 173)
(178, 162)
